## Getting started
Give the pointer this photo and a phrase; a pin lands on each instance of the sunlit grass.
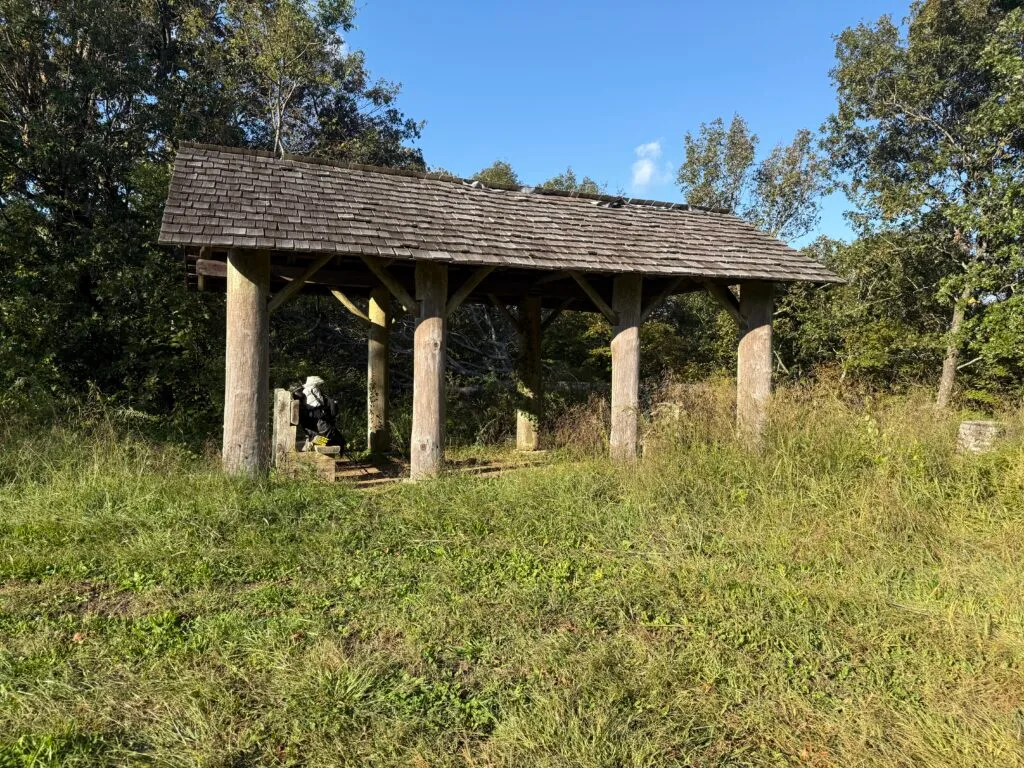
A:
(851, 595)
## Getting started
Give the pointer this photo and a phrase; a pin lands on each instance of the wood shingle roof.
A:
(232, 198)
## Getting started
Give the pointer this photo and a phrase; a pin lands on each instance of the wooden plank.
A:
(754, 361)
(594, 296)
(347, 279)
(467, 288)
(211, 268)
(429, 356)
(530, 376)
(246, 448)
(555, 313)
(551, 278)
(658, 300)
(505, 311)
(727, 299)
(378, 380)
(283, 427)
(376, 266)
(627, 293)
(204, 253)
(292, 289)
(348, 304)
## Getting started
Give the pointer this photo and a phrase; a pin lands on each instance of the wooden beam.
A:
(754, 361)
(211, 268)
(727, 299)
(555, 313)
(658, 300)
(594, 296)
(246, 448)
(467, 288)
(426, 454)
(530, 376)
(293, 288)
(283, 427)
(376, 266)
(339, 278)
(378, 375)
(627, 293)
(505, 311)
(551, 278)
(348, 304)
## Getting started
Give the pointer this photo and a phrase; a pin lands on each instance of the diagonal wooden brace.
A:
(292, 289)
(594, 296)
(467, 288)
(658, 300)
(724, 296)
(376, 266)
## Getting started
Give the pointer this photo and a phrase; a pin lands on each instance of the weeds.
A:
(851, 595)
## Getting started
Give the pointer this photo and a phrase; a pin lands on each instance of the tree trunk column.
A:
(626, 296)
(378, 381)
(531, 376)
(952, 358)
(246, 448)
(429, 355)
(754, 361)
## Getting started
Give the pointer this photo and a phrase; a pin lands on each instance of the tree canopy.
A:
(927, 141)
(781, 193)
(93, 97)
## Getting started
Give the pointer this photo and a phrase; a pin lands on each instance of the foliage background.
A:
(94, 96)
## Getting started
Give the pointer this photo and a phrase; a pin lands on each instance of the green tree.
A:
(717, 168)
(280, 51)
(781, 194)
(93, 96)
(914, 142)
(787, 187)
(994, 332)
(567, 182)
(498, 174)
(883, 326)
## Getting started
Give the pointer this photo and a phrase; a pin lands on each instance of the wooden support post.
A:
(627, 292)
(284, 426)
(378, 437)
(429, 353)
(531, 376)
(754, 361)
(246, 448)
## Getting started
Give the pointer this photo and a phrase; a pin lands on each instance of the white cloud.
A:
(647, 169)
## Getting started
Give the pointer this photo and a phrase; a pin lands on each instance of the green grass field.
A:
(852, 596)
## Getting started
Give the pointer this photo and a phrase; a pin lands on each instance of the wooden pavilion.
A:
(266, 229)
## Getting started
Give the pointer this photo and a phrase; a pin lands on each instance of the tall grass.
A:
(852, 594)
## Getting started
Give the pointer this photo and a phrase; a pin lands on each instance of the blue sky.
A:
(609, 88)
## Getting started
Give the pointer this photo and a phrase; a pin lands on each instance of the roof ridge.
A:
(614, 200)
